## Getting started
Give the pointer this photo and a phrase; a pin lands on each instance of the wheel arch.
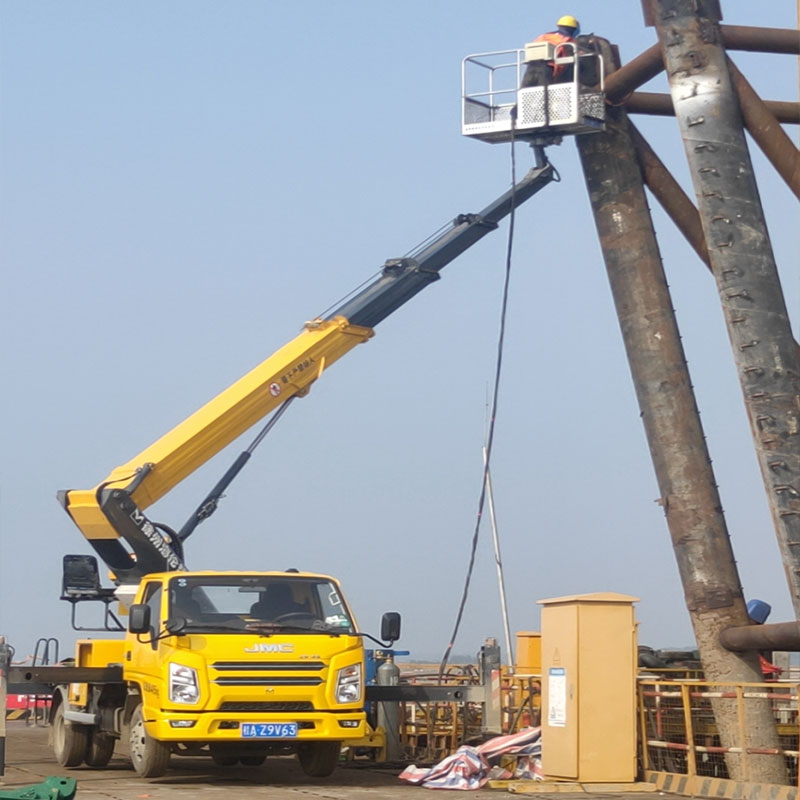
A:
(59, 697)
(133, 698)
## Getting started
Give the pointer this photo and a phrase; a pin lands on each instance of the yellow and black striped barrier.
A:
(721, 788)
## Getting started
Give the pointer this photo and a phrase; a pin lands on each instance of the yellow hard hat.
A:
(568, 21)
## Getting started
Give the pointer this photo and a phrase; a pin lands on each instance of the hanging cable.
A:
(495, 393)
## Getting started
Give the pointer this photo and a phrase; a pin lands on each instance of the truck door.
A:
(145, 663)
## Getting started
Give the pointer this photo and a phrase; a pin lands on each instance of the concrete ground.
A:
(29, 759)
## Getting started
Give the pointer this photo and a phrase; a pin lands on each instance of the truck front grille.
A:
(266, 705)
(267, 666)
(246, 680)
(267, 673)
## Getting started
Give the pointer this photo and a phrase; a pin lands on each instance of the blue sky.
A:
(184, 184)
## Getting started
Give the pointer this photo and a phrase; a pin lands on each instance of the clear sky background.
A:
(184, 184)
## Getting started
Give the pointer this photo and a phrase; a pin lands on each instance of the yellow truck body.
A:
(235, 664)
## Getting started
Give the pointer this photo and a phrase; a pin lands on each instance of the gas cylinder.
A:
(388, 674)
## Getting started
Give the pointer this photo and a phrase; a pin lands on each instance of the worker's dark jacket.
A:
(541, 73)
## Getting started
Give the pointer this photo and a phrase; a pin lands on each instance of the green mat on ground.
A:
(49, 789)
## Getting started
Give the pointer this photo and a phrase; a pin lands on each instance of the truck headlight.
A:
(183, 687)
(348, 684)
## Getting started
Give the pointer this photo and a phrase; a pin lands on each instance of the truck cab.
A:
(236, 665)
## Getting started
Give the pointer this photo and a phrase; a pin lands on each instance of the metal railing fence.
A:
(679, 731)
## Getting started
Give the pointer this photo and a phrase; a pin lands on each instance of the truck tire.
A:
(319, 759)
(100, 749)
(70, 742)
(150, 758)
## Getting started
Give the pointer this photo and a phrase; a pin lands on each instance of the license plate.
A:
(269, 730)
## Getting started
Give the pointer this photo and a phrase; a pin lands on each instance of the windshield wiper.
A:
(269, 628)
(212, 626)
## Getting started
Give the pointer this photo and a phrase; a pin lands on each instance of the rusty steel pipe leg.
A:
(672, 198)
(680, 209)
(682, 465)
(767, 132)
(742, 261)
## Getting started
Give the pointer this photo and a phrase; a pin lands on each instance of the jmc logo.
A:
(270, 648)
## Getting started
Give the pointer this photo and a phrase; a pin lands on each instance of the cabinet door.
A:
(560, 691)
(607, 747)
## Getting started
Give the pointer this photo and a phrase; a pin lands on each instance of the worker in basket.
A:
(543, 73)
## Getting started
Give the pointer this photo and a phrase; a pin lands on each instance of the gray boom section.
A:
(402, 278)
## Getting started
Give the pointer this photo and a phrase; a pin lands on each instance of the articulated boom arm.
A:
(114, 510)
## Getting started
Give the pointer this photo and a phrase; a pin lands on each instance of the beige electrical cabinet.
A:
(589, 658)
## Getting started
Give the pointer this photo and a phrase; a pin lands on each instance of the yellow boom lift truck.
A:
(240, 665)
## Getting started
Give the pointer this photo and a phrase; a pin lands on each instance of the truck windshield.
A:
(263, 604)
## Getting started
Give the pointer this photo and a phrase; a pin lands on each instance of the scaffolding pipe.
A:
(658, 104)
(689, 495)
(679, 208)
(767, 132)
(634, 74)
(761, 40)
(774, 636)
(498, 562)
(765, 353)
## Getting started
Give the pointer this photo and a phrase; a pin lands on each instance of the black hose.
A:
(495, 393)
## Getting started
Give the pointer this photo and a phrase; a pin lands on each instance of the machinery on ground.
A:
(238, 665)
(235, 665)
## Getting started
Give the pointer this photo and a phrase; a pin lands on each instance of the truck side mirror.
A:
(390, 626)
(139, 618)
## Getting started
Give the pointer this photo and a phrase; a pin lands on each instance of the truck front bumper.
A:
(213, 726)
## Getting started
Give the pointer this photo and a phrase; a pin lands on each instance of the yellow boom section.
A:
(288, 372)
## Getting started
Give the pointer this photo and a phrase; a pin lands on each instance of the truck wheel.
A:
(150, 758)
(70, 742)
(100, 750)
(319, 759)
(254, 760)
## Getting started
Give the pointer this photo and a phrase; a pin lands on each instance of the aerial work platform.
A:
(496, 106)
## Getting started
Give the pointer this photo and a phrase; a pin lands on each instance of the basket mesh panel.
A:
(562, 108)
(531, 107)
(475, 112)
